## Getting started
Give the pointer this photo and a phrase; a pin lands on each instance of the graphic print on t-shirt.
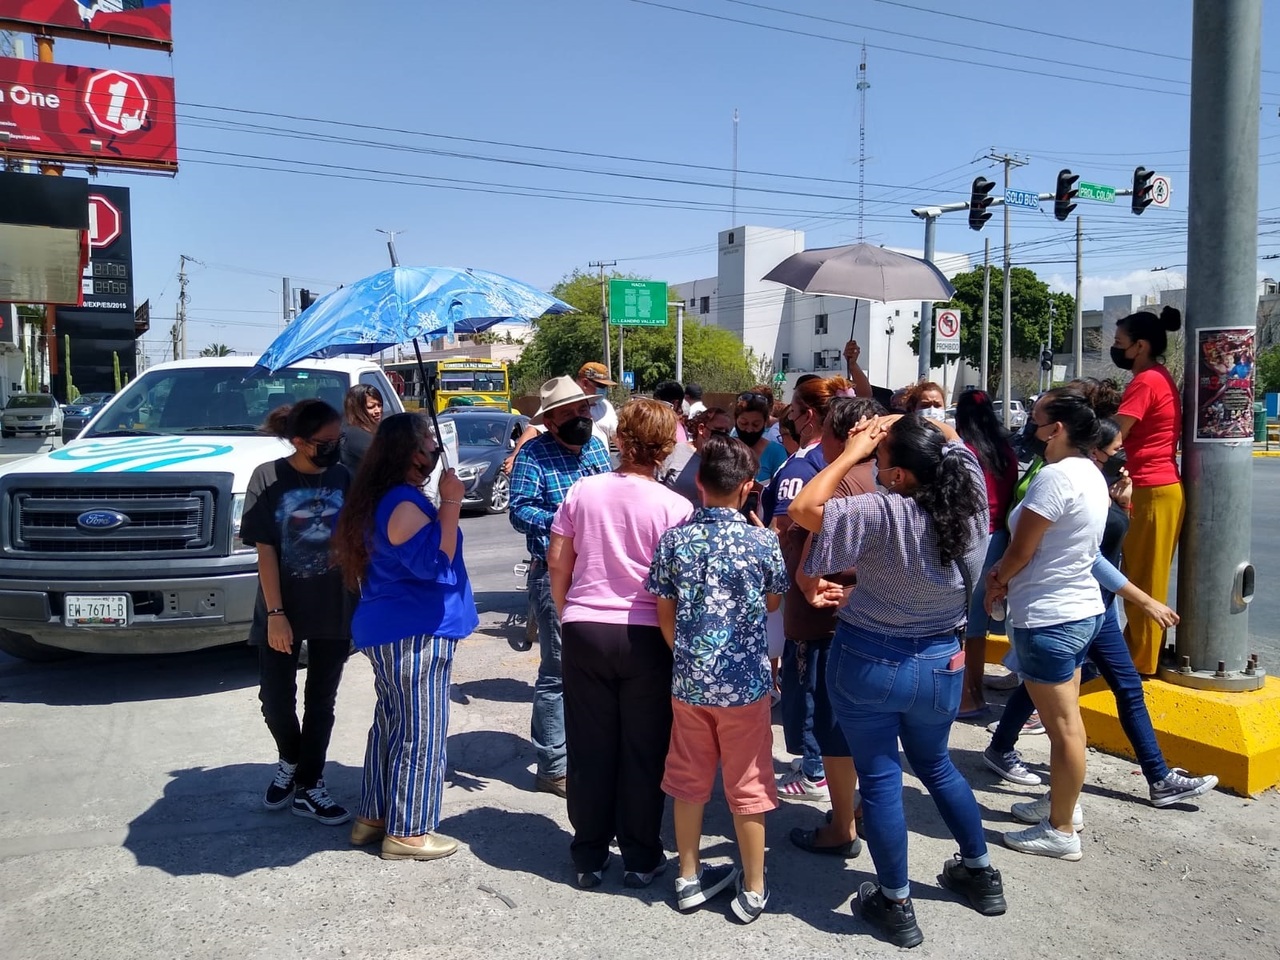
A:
(306, 519)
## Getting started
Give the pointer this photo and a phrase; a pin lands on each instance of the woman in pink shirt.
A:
(616, 664)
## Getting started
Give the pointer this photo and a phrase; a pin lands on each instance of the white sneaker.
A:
(1044, 841)
(1033, 811)
(799, 787)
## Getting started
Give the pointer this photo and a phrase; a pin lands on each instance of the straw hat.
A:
(557, 392)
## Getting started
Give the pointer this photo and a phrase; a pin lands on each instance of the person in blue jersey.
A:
(404, 555)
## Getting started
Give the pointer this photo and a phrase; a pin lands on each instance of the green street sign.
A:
(1096, 191)
(637, 303)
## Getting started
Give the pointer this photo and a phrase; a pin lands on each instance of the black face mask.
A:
(1030, 442)
(1115, 463)
(1120, 360)
(750, 437)
(425, 465)
(575, 432)
(326, 454)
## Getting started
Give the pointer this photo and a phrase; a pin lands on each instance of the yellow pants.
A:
(1148, 554)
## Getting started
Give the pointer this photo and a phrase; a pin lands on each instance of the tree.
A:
(1268, 370)
(216, 350)
(1029, 297)
(560, 345)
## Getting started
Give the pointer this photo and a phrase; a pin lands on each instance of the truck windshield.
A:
(212, 399)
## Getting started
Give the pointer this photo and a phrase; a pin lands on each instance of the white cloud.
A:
(1140, 283)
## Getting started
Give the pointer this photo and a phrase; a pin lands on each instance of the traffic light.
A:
(1046, 360)
(1142, 189)
(305, 299)
(1066, 192)
(979, 200)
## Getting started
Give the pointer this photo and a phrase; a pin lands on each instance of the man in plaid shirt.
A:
(545, 468)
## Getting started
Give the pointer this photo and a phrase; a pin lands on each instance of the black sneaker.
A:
(280, 792)
(315, 802)
(638, 881)
(591, 879)
(711, 880)
(982, 888)
(747, 905)
(896, 920)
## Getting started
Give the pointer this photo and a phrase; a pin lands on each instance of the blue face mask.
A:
(602, 391)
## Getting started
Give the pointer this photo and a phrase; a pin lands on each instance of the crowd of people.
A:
(845, 553)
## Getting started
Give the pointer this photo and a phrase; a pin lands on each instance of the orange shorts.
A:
(739, 739)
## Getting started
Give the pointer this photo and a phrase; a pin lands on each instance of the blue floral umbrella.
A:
(402, 305)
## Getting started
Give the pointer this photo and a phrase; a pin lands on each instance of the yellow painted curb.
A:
(1266, 453)
(1233, 735)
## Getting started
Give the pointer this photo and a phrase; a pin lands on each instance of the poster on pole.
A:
(1224, 384)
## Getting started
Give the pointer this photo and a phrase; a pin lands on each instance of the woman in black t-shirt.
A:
(290, 512)
(363, 412)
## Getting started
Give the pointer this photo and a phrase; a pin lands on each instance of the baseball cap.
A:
(596, 373)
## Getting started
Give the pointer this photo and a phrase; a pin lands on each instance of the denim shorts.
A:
(1053, 654)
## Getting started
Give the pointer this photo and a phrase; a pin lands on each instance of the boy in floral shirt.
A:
(715, 577)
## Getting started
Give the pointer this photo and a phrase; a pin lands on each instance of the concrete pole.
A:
(1006, 340)
(1078, 331)
(926, 308)
(679, 340)
(622, 363)
(604, 315)
(985, 365)
(1215, 578)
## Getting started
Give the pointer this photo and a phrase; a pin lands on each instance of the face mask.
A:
(1030, 442)
(326, 454)
(933, 413)
(1115, 463)
(1120, 360)
(602, 391)
(575, 432)
(750, 437)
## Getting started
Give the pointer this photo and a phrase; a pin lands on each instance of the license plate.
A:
(111, 610)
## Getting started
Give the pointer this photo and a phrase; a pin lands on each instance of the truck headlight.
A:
(237, 518)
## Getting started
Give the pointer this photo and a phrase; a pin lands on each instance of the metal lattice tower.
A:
(862, 138)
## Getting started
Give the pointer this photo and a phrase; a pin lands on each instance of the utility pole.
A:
(985, 364)
(1215, 577)
(287, 300)
(179, 331)
(679, 340)
(926, 308)
(1077, 345)
(604, 314)
(391, 243)
(733, 204)
(1006, 346)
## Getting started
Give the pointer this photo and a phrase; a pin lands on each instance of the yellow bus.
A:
(459, 381)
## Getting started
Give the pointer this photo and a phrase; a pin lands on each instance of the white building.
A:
(800, 333)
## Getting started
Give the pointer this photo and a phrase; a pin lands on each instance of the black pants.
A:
(617, 712)
(307, 743)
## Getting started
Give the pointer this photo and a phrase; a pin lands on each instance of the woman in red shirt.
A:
(1150, 418)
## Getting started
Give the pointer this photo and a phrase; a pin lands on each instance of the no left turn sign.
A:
(946, 330)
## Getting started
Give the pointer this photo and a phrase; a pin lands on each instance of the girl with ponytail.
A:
(896, 667)
(1150, 419)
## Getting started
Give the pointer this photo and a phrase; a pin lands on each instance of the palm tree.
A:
(216, 350)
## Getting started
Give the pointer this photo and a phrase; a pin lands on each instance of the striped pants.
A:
(404, 764)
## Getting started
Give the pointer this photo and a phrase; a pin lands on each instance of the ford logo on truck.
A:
(101, 520)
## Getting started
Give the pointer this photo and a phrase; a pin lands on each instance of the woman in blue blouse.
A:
(405, 558)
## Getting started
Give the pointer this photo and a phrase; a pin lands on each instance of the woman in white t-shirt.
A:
(1055, 607)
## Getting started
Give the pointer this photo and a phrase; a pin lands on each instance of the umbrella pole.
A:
(429, 395)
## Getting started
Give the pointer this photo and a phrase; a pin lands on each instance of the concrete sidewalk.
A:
(133, 828)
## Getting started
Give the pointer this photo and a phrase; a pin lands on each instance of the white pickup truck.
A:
(126, 539)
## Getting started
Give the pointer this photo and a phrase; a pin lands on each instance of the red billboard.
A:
(107, 118)
(138, 23)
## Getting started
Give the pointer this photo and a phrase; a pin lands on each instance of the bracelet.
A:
(277, 612)
(458, 502)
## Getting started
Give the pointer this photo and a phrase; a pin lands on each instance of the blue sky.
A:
(654, 88)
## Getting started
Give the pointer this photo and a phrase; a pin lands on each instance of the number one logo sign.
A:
(116, 102)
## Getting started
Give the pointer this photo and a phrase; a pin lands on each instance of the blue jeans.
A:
(1109, 658)
(979, 623)
(546, 730)
(1053, 654)
(888, 688)
(797, 709)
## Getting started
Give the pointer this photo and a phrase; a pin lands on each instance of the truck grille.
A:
(160, 520)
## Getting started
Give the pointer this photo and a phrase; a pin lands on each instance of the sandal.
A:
(807, 840)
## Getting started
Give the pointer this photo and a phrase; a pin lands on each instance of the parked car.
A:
(485, 438)
(1017, 415)
(36, 413)
(76, 415)
(127, 539)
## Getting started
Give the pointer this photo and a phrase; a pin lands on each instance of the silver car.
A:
(36, 413)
